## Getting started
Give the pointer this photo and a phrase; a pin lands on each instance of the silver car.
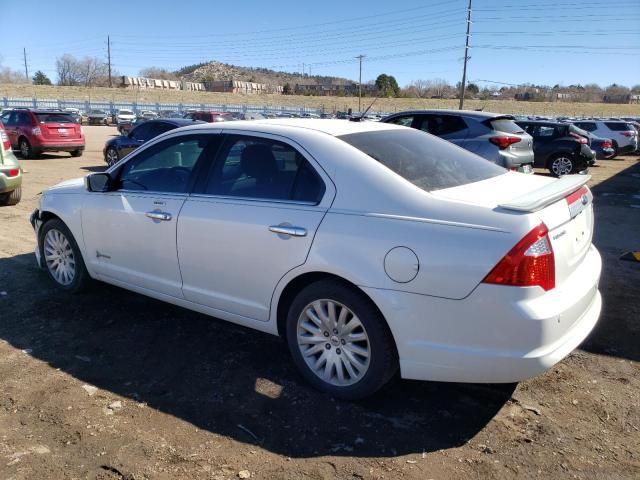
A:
(493, 136)
(623, 135)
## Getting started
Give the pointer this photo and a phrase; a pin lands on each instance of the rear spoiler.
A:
(550, 193)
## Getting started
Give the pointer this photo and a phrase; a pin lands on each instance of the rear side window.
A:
(588, 126)
(429, 163)
(443, 124)
(618, 126)
(505, 125)
(54, 118)
(265, 169)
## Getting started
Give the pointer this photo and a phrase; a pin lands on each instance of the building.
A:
(621, 98)
(334, 90)
(155, 83)
(238, 86)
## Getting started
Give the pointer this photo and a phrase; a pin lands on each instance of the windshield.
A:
(97, 112)
(426, 161)
(126, 112)
(55, 118)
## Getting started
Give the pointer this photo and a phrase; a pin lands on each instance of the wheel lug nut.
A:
(338, 351)
(335, 331)
(327, 346)
(343, 342)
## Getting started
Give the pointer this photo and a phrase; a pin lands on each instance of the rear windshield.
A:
(505, 125)
(98, 112)
(618, 126)
(126, 112)
(54, 118)
(422, 159)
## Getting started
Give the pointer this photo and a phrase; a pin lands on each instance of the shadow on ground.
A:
(223, 378)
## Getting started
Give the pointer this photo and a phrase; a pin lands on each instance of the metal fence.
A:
(137, 107)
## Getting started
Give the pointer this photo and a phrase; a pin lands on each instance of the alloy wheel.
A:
(25, 149)
(59, 257)
(333, 342)
(562, 166)
(112, 157)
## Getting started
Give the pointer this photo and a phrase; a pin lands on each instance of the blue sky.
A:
(513, 41)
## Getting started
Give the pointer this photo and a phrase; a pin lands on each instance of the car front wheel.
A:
(112, 156)
(339, 340)
(62, 257)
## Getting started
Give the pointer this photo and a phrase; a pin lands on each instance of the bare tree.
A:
(438, 88)
(8, 75)
(159, 73)
(67, 69)
(420, 88)
(91, 71)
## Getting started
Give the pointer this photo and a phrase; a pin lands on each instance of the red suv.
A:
(210, 116)
(35, 131)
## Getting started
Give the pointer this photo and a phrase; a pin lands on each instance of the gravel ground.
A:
(113, 385)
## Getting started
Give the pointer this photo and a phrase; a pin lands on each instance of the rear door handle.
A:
(288, 230)
(164, 216)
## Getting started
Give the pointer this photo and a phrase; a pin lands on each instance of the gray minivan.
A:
(493, 136)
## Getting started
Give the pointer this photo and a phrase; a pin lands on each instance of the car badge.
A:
(584, 199)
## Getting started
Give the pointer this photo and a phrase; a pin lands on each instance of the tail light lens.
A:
(530, 263)
(13, 172)
(36, 131)
(504, 142)
(6, 144)
(607, 145)
(580, 138)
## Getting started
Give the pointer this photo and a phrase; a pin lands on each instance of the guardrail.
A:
(137, 107)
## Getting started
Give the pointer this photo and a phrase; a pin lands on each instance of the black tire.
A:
(383, 362)
(76, 153)
(11, 198)
(81, 278)
(558, 164)
(111, 156)
(26, 151)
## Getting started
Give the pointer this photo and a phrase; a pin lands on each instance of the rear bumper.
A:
(9, 184)
(64, 147)
(497, 334)
(515, 162)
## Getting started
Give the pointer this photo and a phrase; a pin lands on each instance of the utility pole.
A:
(109, 58)
(360, 57)
(303, 69)
(26, 70)
(466, 57)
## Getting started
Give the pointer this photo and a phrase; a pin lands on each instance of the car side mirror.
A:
(98, 182)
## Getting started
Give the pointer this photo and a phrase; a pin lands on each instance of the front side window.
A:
(588, 126)
(165, 167)
(403, 121)
(427, 162)
(141, 132)
(260, 168)
(543, 131)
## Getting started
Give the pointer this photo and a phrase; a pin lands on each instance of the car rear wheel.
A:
(561, 164)
(615, 149)
(11, 198)
(76, 153)
(62, 257)
(112, 156)
(25, 148)
(339, 340)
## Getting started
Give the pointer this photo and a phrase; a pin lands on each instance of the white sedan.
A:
(369, 246)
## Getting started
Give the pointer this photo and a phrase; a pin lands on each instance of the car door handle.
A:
(164, 216)
(287, 230)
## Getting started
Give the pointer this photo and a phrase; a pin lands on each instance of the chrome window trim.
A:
(206, 196)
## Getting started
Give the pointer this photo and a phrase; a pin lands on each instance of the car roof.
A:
(465, 113)
(328, 126)
(179, 122)
(543, 122)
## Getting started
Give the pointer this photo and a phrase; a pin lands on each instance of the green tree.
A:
(387, 85)
(41, 79)
(473, 89)
(286, 90)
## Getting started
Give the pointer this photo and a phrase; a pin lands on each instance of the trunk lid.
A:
(58, 127)
(564, 205)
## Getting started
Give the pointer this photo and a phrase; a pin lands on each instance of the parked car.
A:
(75, 114)
(10, 172)
(35, 131)
(248, 116)
(170, 114)
(148, 115)
(117, 147)
(210, 117)
(623, 135)
(125, 116)
(603, 147)
(368, 246)
(558, 148)
(125, 128)
(98, 117)
(494, 137)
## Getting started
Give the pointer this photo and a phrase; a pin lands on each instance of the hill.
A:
(222, 71)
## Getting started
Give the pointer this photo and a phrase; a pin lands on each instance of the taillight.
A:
(530, 263)
(580, 138)
(607, 145)
(504, 142)
(13, 172)
(6, 144)
(36, 131)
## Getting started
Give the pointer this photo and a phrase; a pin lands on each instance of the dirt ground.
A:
(113, 385)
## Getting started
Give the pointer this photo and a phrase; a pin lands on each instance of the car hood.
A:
(75, 185)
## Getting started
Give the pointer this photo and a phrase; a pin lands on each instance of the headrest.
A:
(257, 161)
